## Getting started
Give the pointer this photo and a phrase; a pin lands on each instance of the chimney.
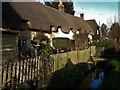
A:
(82, 14)
(61, 6)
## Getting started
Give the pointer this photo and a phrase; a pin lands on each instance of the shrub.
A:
(110, 49)
(67, 78)
(112, 73)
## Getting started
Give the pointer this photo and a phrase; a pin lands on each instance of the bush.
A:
(67, 78)
(110, 49)
(112, 73)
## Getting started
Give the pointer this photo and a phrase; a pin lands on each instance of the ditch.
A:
(95, 79)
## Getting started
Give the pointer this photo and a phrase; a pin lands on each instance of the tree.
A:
(68, 6)
(112, 20)
(52, 4)
(115, 32)
(114, 24)
(104, 29)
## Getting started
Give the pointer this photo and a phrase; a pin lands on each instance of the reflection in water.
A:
(92, 81)
(97, 80)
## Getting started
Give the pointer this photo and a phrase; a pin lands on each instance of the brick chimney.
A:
(61, 6)
(82, 14)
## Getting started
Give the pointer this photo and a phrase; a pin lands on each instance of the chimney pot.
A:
(82, 16)
(61, 6)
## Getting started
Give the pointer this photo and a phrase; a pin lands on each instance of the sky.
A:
(99, 10)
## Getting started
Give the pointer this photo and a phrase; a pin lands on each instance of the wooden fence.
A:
(18, 72)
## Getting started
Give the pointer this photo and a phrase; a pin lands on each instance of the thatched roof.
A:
(41, 17)
(93, 24)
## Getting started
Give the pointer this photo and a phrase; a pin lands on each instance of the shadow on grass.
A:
(69, 76)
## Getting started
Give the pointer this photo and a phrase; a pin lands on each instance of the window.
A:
(97, 32)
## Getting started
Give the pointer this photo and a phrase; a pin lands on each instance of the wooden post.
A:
(19, 72)
(25, 70)
(11, 74)
(2, 75)
(28, 68)
(22, 70)
(15, 76)
(34, 65)
(31, 67)
(52, 65)
(7, 67)
(37, 66)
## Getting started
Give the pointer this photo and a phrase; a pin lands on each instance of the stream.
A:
(93, 81)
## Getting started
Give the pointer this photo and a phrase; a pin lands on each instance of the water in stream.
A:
(92, 81)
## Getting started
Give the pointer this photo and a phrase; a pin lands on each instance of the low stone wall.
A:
(75, 57)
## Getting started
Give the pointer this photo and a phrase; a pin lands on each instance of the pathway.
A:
(99, 59)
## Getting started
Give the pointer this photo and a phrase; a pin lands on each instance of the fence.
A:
(61, 59)
(40, 67)
(18, 72)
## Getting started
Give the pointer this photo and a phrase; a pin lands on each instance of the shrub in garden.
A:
(110, 49)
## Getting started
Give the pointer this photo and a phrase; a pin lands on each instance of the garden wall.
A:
(61, 59)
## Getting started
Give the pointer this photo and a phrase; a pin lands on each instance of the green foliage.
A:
(115, 31)
(110, 49)
(52, 4)
(62, 43)
(113, 75)
(45, 48)
(116, 64)
(69, 7)
(104, 29)
(27, 85)
(112, 81)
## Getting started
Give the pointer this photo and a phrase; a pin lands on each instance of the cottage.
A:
(80, 26)
(95, 28)
(30, 18)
